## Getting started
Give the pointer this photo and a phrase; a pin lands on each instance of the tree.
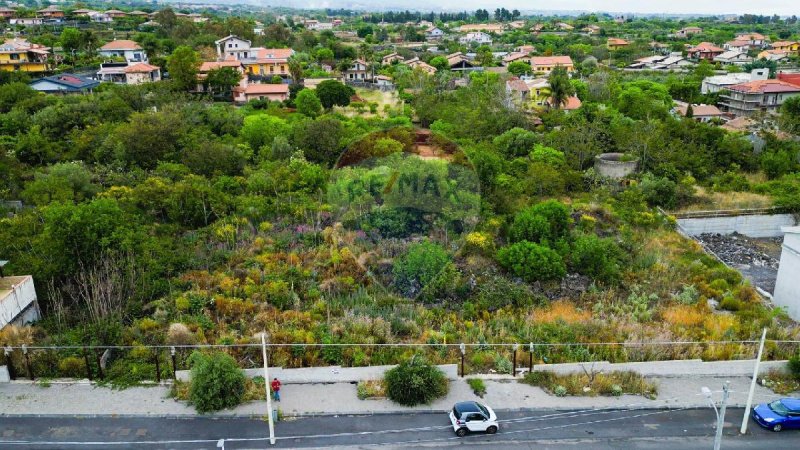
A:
(516, 142)
(332, 92)
(70, 39)
(418, 266)
(440, 63)
(598, 258)
(519, 68)
(308, 103)
(545, 222)
(217, 382)
(415, 382)
(532, 262)
(790, 115)
(319, 139)
(260, 130)
(324, 55)
(295, 70)
(484, 56)
(183, 66)
(560, 87)
(221, 81)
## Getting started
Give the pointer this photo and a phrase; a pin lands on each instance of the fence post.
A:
(88, 366)
(27, 361)
(174, 367)
(530, 357)
(158, 367)
(463, 349)
(514, 363)
(9, 352)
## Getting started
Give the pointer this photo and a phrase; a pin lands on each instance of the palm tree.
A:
(560, 87)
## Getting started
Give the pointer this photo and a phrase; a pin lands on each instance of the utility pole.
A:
(721, 417)
(266, 386)
(746, 417)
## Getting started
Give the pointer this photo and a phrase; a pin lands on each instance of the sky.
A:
(765, 7)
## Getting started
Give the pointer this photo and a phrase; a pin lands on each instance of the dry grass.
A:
(592, 384)
(371, 389)
(684, 316)
(563, 311)
(781, 382)
(707, 200)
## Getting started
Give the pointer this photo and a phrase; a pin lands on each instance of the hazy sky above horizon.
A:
(765, 7)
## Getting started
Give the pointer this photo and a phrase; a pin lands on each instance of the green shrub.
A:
(418, 266)
(532, 262)
(478, 386)
(415, 382)
(794, 366)
(217, 382)
(72, 367)
(502, 364)
(560, 391)
(597, 258)
(659, 191)
(547, 221)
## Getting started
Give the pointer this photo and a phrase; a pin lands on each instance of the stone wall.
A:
(757, 226)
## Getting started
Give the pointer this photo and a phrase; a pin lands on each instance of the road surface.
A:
(588, 429)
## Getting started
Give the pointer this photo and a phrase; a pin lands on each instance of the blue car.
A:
(778, 415)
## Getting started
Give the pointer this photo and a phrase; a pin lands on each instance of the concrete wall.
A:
(693, 367)
(18, 305)
(757, 226)
(330, 374)
(787, 286)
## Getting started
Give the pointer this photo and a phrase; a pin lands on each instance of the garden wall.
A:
(329, 374)
(757, 226)
(689, 367)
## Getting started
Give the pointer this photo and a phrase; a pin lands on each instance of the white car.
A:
(468, 417)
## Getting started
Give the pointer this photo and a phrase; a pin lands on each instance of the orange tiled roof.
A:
(765, 87)
(122, 44)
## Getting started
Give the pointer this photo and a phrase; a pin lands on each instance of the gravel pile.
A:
(745, 254)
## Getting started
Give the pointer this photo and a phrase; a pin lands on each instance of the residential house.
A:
(20, 55)
(383, 81)
(516, 25)
(791, 78)
(51, 12)
(719, 83)
(319, 26)
(534, 93)
(232, 47)
(754, 39)
(268, 62)
(688, 31)
(774, 55)
(390, 58)
(525, 49)
(546, 64)
(763, 95)
(705, 50)
(565, 26)
(616, 43)
(112, 72)
(358, 71)
(140, 73)
(518, 92)
(738, 45)
(64, 83)
(208, 66)
(26, 21)
(791, 47)
(100, 17)
(673, 61)
(459, 62)
(591, 29)
(478, 37)
(733, 58)
(137, 13)
(700, 113)
(433, 33)
(271, 92)
(18, 302)
(417, 64)
(484, 27)
(515, 56)
(7, 13)
(123, 48)
(116, 14)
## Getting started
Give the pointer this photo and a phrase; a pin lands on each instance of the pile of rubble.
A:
(745, 254)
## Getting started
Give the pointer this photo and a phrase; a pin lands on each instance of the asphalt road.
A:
(589, 429)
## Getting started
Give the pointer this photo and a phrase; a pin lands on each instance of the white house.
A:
(718, 83)
(233, 47)
(476, 36)
(123, 48)
(357, 72)
(733, 58)
(433, 33)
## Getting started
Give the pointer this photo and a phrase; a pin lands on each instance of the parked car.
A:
(778, 415)
(469, 417)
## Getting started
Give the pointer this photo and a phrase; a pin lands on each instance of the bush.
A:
(420, 265)
(217, 382)
(415, 382)
(597, 258)
(659, 191)
(548, 221)
(478, 386)
(794, 366)
(532, 262)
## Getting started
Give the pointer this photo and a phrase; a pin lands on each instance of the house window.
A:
(230, 45)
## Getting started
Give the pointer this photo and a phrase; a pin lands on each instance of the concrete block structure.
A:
(787, 287)
(614, 165)
(18, 302)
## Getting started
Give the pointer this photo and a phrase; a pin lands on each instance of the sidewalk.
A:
(82, 398)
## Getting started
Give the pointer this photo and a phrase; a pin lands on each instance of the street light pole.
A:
(266, 386)
(720, 413)
(746, 417)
